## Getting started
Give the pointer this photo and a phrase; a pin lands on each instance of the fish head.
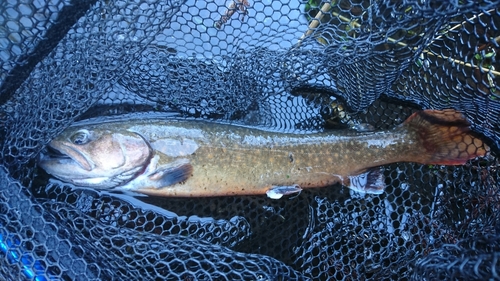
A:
(96, 157)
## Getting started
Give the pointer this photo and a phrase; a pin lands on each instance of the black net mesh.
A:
(284, 65)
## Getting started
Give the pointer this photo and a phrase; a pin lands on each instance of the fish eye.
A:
(81, 137)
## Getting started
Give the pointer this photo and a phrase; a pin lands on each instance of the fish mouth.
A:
(63, 154)
(53, 153)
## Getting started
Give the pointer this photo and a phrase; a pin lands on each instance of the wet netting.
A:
(287, 66)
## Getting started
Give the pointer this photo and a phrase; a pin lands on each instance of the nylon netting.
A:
(281, 65)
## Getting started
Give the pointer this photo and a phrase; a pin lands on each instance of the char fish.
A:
(185, 158)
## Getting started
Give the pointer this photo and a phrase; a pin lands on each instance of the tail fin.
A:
(445, 136)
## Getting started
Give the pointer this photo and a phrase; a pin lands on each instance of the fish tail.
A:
(446, 137)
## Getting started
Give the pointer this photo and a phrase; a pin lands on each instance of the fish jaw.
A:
(77, 156)
(65, 167)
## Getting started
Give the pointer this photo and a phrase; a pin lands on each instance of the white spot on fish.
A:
(175, 148)
(167, 131)
(96, 180)
(234, 137)
(380, 143)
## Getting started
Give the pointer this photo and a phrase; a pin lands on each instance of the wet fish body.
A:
(186, 158)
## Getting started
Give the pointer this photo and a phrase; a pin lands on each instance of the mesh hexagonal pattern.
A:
(287, 66)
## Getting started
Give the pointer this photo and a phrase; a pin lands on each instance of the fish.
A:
(193, 158)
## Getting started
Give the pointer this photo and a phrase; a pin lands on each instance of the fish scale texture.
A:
(289, 66)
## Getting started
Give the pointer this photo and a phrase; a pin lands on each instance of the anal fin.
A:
(371, 181)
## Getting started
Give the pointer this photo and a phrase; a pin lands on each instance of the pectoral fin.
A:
(276, 192)
(160, 176)
(171, 174)
(372, 181)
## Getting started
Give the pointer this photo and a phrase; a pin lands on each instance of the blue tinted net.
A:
(298, 66)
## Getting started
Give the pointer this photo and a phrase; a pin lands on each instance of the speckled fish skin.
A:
(235, 160)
